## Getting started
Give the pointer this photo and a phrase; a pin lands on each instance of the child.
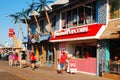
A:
(59, 67)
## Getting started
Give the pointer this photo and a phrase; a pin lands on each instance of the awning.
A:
(84, 32)
(112, 31)
(36, 38)
(44, 37)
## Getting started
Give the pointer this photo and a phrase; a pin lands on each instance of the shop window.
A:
(53, 21)
(74, 17)
(89, 13)
(81, 15)
(114, 9)
(64, 21)
(69, 23)
(85, 52)
(78, 52)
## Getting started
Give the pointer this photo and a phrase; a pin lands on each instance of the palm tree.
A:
(17, 19)
(31, 10)
(41, 6)
(24, 15)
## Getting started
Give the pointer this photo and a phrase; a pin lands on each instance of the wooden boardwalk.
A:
(112, 76)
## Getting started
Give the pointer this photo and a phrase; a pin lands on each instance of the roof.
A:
(112, 31)
(58, 2)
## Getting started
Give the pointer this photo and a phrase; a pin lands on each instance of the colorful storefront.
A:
(110, 42)
(84, 38)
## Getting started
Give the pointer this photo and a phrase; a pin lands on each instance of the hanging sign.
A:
(11, 32)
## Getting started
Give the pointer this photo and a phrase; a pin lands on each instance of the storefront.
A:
(84, 39)
(110, 39)
(42, 47)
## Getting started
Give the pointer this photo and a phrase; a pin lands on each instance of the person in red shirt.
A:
(33, 60)
(16, 58)
(58, 67)
(63, 60)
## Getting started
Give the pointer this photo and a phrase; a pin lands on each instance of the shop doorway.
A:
(49, 55)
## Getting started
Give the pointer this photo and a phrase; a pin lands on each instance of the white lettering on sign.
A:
(72, 65)
(71, 31)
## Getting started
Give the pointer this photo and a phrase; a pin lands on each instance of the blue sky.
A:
(8, 7)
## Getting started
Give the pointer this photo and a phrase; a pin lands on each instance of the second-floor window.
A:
(53, 21)
(81, 15)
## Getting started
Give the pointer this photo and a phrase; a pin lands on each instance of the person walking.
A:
(33, 60)
(16, 58)
(20, 58)
(23, 57)
(11, 58)
(63, 61)
(2, 56)
(58, 67)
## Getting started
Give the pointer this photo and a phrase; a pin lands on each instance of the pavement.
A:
(41, 73)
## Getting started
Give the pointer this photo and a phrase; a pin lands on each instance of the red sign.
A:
(73, 67)
(77, 33)
(72, 64)
(11, 32)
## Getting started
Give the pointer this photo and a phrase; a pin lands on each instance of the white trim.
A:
(87, 73)
(74, 39)
(108, 14)
(100, 32)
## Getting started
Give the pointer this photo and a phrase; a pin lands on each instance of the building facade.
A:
(83, 25)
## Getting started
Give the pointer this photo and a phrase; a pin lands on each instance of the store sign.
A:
(90, 31)
(71, 31)
(73, 67)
